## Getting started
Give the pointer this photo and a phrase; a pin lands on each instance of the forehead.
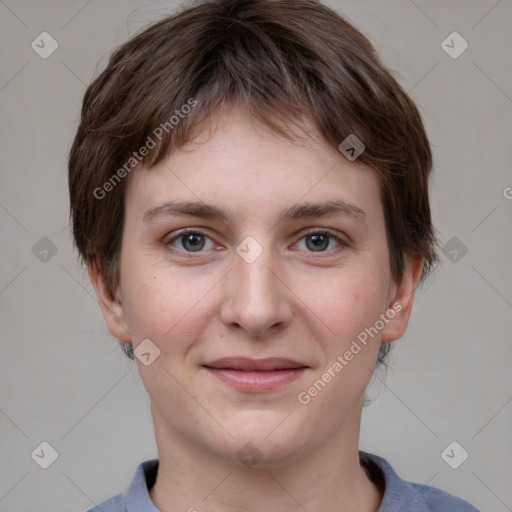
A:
(240, 165)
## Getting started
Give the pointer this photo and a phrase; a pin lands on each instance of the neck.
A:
(330, 478)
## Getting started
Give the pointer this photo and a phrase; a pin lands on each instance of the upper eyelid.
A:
(169, 241)
(183, 232)
(339, 239)
(321, 231)
(342, 239)
(202, 232)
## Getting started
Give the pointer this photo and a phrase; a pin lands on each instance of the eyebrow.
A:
(298, 211)
(185, 208)
(328, 208)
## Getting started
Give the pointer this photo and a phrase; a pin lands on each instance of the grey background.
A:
(63, 378)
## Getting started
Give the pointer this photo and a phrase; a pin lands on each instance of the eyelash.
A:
(341, 243)
(311, 232)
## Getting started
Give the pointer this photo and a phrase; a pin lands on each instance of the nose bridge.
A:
(255, 282)
(254, 300)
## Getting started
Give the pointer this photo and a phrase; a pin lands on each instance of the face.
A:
(253, 264)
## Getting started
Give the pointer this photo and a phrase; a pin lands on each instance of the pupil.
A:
(192, 242)
(318, 242)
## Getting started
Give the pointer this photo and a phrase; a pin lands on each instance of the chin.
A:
(262, 439)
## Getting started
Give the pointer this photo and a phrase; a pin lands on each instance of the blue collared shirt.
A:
(399, 495)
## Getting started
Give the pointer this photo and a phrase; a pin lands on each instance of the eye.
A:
(319, 241)
(191, 241)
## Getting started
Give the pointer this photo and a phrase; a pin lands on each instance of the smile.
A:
(256, 375)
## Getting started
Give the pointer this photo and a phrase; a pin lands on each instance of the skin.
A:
(292, 302)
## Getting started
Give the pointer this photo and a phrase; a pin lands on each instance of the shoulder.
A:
(136, 498)
(413, 497)
(114, 504)
(439, 501)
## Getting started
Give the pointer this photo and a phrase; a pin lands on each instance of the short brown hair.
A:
(281, 60)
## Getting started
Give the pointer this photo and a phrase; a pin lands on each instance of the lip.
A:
(257, 365)
(256, 375)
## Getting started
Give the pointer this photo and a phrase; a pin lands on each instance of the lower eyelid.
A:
(169, 241)
(337, 239)
(178, 238)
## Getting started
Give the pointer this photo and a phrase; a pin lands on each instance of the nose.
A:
(256, 301)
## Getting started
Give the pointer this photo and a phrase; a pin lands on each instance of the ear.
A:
(111, 306)
(402, 298)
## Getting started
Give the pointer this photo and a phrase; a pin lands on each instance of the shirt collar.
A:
(398, 494)
(137, 496)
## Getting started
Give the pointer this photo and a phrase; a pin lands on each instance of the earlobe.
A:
(401, 302)
(111, 307)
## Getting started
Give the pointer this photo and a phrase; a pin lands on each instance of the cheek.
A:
(347, 301)
(349, 304)
(164, 303)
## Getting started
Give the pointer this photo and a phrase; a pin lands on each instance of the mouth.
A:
(256, 375)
